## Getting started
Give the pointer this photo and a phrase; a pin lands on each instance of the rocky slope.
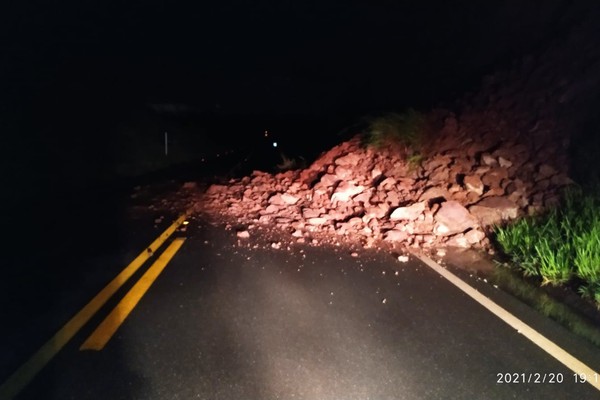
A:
(366, 195)
(496, 155)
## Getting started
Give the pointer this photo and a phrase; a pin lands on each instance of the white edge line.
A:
(544, 343)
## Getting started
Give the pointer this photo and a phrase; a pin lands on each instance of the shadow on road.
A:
(63, 247)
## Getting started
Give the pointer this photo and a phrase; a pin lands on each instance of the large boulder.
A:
(493, 210)
(452, 218)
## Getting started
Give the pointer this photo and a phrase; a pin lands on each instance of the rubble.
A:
(496, 155)
(368, 196)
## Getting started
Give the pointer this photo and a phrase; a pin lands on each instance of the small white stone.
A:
(403, 259)
(384, 301)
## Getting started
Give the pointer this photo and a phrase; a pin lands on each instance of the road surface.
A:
(245, 318)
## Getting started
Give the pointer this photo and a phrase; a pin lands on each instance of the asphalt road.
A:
(233, 318)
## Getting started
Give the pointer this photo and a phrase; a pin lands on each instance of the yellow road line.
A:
(111, 323)
(544, 343)
(22, 376)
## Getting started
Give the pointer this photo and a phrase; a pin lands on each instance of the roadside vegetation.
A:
(407, 130)
(551, 261)
(560, 247)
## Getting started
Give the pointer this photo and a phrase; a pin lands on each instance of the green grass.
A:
(561, 246)
(403, 127)
(407, 130)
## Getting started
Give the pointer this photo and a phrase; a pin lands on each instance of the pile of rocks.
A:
(497, 155)
(367, 195)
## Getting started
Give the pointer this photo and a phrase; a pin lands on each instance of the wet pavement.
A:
(255, 318)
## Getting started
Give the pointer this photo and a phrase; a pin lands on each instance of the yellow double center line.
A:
(22, 376)
(109, 326)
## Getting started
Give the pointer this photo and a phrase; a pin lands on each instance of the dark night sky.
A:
(261, 56)
(70, 70)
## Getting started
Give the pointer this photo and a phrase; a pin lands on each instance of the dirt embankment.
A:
(497, 155)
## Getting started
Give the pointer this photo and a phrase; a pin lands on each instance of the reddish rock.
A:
(329, 180)
(311, 213)
(439, 175)
(508, 209)
(473, 183)
(364, 197)
(434, 193)
(377, 211)
(488, 160)
(317, 221)
(474, 236)
(486, 216)
(504, 163)
(271, 209)
(345, 190)
(388, 183)
(309, 176)
(493, 178)
(452, 218)
(409, 213)
(542, 185)
(437, 162)
(472, 197)
(289, 199)
(458, 241)
(344, 172)
(392, 198)
(395, 236)
(546, 171)
(351, 160)
(279, 199)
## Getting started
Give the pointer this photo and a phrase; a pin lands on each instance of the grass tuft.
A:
(407, 130)
(561, 246)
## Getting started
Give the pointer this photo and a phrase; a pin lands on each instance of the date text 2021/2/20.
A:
(529, 377)
(542, 377)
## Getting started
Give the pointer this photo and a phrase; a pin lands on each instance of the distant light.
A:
(266, 133)
(274, 144)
